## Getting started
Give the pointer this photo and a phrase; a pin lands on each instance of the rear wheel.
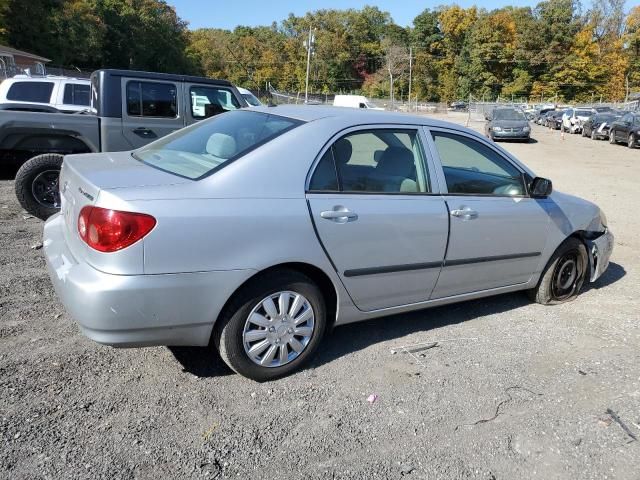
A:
(631, 141)
(272, 326)
(612, 137)
(37, 186)
(564, 275)
(593, 135)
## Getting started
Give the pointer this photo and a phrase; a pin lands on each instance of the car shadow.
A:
(8, 172)
(205, 362)
(612, 274)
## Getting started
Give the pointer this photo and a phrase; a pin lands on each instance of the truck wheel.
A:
(37, 185)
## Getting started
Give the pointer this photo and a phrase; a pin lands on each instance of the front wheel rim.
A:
(567, 275)
(278, 329)
(44, 188)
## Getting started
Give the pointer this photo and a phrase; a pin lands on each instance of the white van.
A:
(63, 93)
(355, 101)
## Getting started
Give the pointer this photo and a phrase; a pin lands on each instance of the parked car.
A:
(354, 101)
(67, 95)
(250, 98)
(626, 129)
(216, 233)
(507, 123)
(130, 109)
(603, 109)
(459, 106)
(554, 119)
(573, 118)
(539, 115)
(597, 125)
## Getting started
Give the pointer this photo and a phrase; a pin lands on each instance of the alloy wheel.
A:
(278, 329)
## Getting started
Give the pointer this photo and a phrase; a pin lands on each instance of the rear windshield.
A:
(203, 148)
(583, 113)
(30, 92)
(506, 114)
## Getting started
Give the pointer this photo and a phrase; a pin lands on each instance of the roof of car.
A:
(161, 76)
(310, 113)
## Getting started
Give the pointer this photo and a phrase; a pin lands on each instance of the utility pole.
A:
(410, 73)
(309, 46)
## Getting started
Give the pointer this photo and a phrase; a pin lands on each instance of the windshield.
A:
(252, 100)
(583, 113)
(508, 114)
(605, 118)
(199, 150)
(370, 104)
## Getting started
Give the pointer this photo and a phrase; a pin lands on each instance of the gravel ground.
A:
(512, 389)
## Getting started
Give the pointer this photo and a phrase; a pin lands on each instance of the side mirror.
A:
(541, 187)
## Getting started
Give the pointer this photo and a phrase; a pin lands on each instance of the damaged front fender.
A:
(600, 246)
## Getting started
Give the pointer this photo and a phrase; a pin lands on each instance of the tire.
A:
(631, 141)
(557, 284)
(593, 135)
(584, 133)
(228, 335)
(612, 137)
(37, 185)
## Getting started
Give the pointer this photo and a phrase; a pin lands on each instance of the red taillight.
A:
(111, 230)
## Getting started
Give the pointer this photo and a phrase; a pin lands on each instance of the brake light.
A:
(112, 230)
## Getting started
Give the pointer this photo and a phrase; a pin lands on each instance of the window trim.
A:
(430, 180)
(440, 169)
(140, 81)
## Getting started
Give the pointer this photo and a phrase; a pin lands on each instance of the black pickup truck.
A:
(128, 110)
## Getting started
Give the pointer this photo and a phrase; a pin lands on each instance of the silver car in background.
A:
(258, 230)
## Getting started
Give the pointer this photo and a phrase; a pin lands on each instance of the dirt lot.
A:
(513, 390)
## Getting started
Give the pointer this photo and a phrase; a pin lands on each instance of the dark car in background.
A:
(507, 123)
(626, 130)
(554, 119)
(597, 126)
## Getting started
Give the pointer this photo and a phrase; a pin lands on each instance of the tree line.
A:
(559, 48)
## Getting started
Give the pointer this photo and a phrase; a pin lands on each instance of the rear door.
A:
(376, 214)
(497, 232)
(150, 110)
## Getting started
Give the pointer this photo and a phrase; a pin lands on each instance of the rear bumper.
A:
(599, 253)
(137, 310)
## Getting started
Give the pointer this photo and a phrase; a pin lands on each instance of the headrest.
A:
(221, 145)
(342, 150)
(397, 161)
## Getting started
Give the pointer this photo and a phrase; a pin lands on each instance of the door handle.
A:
(339, 214)
(145, 132)
(464, 213)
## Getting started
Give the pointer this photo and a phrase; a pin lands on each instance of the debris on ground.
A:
(372, 398)
(37, 246)
(503, 402)
(626, 429)
(27, 217)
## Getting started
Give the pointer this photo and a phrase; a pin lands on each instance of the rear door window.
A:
(39, 92)
(76, 94)
(209, 101)
(373, 161)
(152, 99)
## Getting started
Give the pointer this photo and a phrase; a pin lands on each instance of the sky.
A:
(228, 14)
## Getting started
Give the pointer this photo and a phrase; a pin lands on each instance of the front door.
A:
(497, 232)
(150, 110)
(371, 202)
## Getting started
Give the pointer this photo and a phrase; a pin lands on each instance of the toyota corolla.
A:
(259, 230)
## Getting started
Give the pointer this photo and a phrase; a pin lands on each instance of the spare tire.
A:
(37, 185)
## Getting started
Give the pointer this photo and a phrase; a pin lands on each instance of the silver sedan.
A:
(259, 230)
